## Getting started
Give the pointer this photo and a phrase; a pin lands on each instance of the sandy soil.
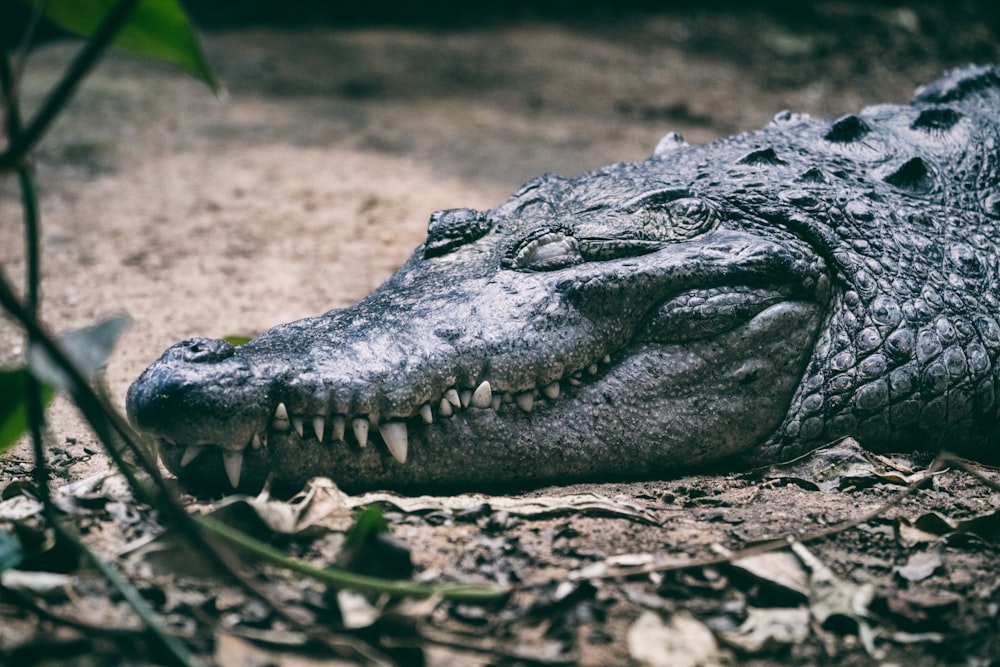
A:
(314, 179)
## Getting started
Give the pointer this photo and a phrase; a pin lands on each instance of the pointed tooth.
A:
(255, 441)
(495, 403)
(482, 397)
(575, 381)
(452, 397)
(551, 390)
(280, 422)
(360, 426)
(466, 397)
(426, 414)
(319, 426)
(232, 461)
(607, 359)
(297, 425)
(445, 409)
(396, 440)
(339, 426)
(191, 452)
(525, 400)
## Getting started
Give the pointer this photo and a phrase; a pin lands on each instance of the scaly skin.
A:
(747, 300)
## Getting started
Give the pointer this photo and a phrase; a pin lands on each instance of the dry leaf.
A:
(683, 641)
(769, 630)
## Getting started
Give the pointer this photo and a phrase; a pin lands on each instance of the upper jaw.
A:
(246, 465)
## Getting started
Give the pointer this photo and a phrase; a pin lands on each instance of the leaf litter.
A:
(701, 570)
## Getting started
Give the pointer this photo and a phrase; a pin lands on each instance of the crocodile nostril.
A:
(201, 350)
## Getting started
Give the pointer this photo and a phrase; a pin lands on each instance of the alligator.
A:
(743, 301)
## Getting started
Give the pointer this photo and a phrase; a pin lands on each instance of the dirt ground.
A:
(314, 179)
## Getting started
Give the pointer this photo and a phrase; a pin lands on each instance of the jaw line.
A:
(482, 436)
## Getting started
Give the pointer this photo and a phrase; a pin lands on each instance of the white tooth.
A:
(482, 397)
(339, 425)
(452, 397)
(426, 414)
(551, 390)
(575, 381)
(495, 403)
(360, 426)
(607, 359)
(280, 422)
(592, 369)
(233, 463)
(445, 409)
(191, 452)
(297, 425)
(396, 441)
(319, 425)
(525, 400)
(255, 441)
(466, 397)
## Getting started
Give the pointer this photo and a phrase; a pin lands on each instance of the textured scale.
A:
(908, 357)
(750, 299)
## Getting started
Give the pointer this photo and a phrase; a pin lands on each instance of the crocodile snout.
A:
(199, 393)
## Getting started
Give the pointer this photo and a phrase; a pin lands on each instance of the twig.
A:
(176, 651)
(338, 578)
(769, 546)
(102, 416)
(23, 142)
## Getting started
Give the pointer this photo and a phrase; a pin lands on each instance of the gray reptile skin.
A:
(746, 300)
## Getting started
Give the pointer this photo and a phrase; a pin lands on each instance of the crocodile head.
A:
(626, 322)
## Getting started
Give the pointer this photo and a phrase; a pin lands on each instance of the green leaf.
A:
(369, 522)
(11, 552)
(89, 347)
(14, 405)
(157, 29)
(237, 339)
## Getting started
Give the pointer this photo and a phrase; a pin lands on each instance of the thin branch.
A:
(101, 416)
(775, 544)
(32, 234)
(177, 653)
(23, 142)
(11, 124)
(338, 578)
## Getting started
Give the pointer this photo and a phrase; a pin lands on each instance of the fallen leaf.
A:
(355, 610)
(592, 504)
(320, 507)
(779, 568)
(683, 641)
(920, 565)
(769, 630)
(823, 468)
(933, 527)
(831, 597)
(48, 585)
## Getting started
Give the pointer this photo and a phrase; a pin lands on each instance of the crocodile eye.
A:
(551, 250)
(671, 215)
(678, 220)
(452, 228)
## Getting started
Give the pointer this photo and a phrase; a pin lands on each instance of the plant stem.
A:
(23, 142)
(177, 653)
(338, 578)
(32, 235)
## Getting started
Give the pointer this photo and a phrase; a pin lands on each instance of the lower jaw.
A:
(478, 451)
